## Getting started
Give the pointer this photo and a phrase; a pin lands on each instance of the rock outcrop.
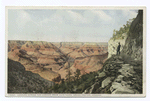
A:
(13, 44)
(123, 74)
(134, 42)
(112, 45)
(118, 77)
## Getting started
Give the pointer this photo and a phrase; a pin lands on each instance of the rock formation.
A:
(112, 49)
(15, 44)
(134, 42)
(52, 63)
(36, 57)
(119, 77)
(123, 74)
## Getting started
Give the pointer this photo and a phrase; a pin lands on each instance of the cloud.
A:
(102, 15)
(76, 17)
(66, 16)
(22, 18)
(56, 18)
(67, 25)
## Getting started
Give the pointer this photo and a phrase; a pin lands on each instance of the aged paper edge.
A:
(78, 95)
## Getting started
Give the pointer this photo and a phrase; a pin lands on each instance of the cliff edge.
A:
(123, 74)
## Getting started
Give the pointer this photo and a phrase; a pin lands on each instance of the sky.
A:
(66, 25)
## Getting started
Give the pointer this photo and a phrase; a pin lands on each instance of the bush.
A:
(76, 86)
(117, 34)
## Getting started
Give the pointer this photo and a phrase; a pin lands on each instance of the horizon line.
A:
(61, 41)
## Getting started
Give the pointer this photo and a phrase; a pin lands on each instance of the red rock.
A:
(52, 62)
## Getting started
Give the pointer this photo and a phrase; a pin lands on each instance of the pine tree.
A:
(77, 74)
(68, 76)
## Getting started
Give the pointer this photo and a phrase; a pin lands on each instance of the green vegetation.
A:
(117, 34)
(74, 84)
(68, 76)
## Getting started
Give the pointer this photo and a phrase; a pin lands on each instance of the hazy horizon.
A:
(60, 42)
(55, 25)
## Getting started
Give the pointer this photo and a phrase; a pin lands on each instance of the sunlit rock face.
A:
(113, 44)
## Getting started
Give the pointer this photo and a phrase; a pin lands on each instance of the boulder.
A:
(92, 89)
(127, 70)
(107, 81)
(119, 78)
(115, 85)
(123, 90)
(101, 75)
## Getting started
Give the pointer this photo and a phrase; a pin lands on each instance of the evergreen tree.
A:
(77, 74)
(68, 76)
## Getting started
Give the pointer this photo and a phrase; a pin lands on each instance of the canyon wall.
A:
(52, 61)
(113, 44)
(134, 43)
(123, 74)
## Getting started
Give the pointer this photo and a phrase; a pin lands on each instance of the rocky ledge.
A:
(123, 74)
(120, 75)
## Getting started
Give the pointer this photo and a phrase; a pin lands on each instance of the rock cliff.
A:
(134, 42)
(123, 74)
(112, 45)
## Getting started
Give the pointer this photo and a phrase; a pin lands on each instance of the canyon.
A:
(42, 67)
(53, 60)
